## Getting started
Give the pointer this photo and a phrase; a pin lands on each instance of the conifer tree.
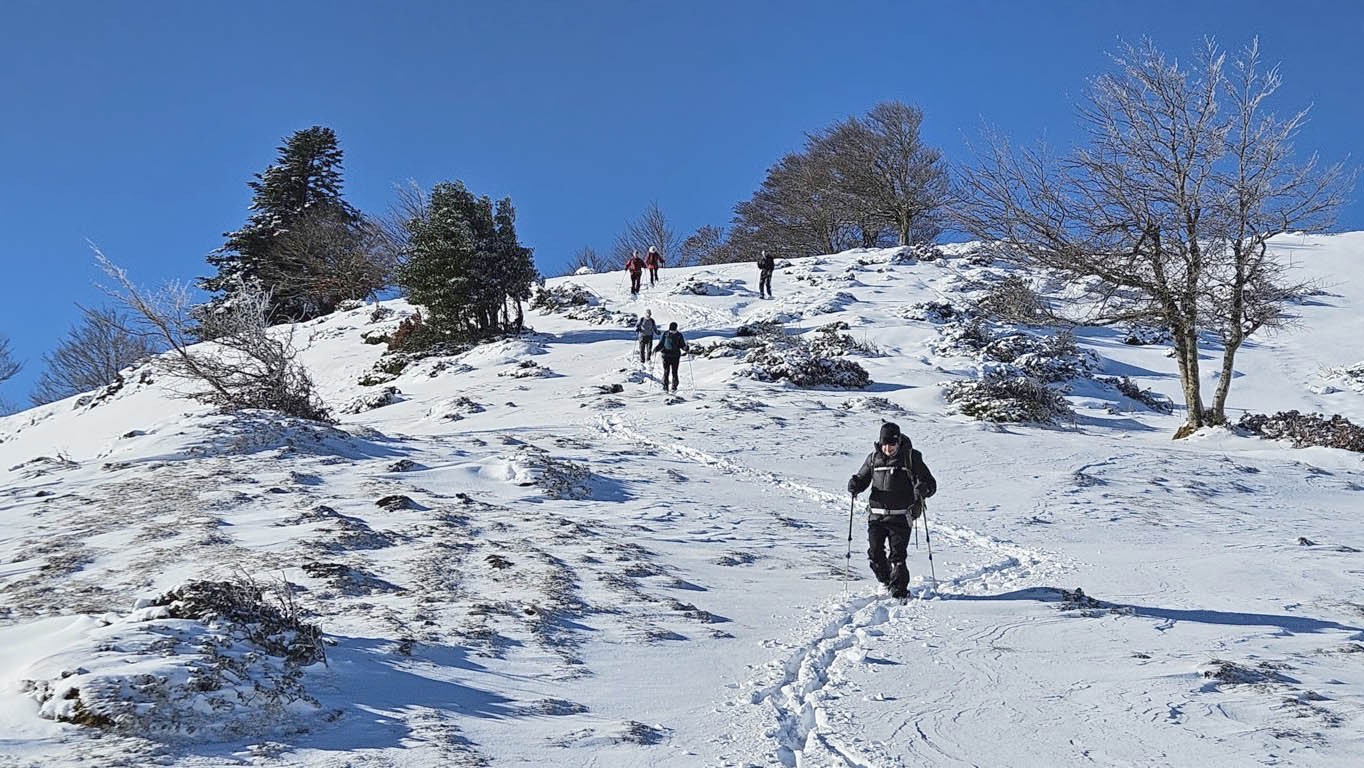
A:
(304, 184)
(465, 265)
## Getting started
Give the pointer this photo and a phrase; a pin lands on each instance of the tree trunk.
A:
(1234, 336)
(1217, 414)
(1186, 354)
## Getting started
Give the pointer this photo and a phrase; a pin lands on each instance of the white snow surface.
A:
(588, 577)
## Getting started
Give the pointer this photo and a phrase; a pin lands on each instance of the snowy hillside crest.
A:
(526, 551)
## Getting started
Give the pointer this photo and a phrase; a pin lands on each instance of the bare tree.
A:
(797, 211)
(1167, 211)
(8, 365)
(248, 364)
(650, 229)
(891, 177)
(91, 355)
(707, 245)
(587, 256)
(411, 204)
(8, 368)
(323, 260)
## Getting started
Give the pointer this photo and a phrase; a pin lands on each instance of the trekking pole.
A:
(691, 372)
(847, 559)
(928, 537)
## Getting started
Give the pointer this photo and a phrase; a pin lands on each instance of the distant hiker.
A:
(672, 345)
(765, 266)
(653, 261)
(645, 330)
(635, 266)
(899, 481)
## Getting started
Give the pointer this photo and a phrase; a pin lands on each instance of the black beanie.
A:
(890, 433)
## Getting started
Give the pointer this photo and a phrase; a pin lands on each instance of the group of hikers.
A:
(671, 345)
(895, 472)
(652, 260)
(636, 266)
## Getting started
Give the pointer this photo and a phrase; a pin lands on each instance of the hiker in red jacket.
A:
(635, 266)
(653, 261)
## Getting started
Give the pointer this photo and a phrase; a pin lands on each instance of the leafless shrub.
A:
(246, 366)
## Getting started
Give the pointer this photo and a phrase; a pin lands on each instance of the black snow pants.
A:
(670, 365)
(889, 531)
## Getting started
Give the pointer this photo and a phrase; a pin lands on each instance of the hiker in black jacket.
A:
(765, 266)
(672, 345)
(899, 482)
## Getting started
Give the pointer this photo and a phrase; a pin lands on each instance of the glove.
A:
(852, 485)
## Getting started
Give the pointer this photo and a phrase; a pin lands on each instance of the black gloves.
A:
(852, 485)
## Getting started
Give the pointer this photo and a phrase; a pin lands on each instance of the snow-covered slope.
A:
(534, 556)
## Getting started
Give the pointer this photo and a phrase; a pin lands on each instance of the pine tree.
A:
(303, 184)
(465, 266)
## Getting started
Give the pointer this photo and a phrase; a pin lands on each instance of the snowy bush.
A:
(915, 253)
(455, 409)
(798, 364)
(872, 404)
(936, 312)
(388, 367)
(1142, 335)
(562, 297)
(122, 379)
(772, 355)
(763, 328)
(375, 336)
(533, 466)
(1305, 429)
(1001, 398)
(207, 660)
(829, 342)
(1013, 300)
(527, 369)
(698, 285)
(372, 400)
(966, 338)
(1352, 376)
(1149, 398)
(1049, 358)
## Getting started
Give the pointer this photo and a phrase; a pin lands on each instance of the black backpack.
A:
(671, 341)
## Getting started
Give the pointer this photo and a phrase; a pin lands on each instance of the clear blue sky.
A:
(136, 125)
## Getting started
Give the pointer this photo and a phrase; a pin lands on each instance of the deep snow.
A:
(583, 576)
